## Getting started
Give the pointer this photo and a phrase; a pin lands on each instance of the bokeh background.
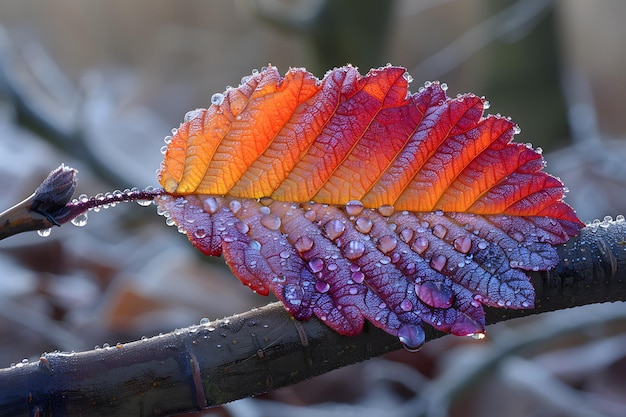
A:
(98, 84)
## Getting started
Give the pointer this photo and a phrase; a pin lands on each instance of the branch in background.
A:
(258, 351)
(71, 137)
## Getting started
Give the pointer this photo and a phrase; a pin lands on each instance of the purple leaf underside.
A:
(345, 264)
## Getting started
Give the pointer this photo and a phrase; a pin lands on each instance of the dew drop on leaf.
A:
(412, 337)
(234, 206)
(354, 207)
(271, 221)
(242, 227)
(518, 236)
(316, 265)
(217, 99)
(406, 235)
(463, 244)
(440, 231)
(420, 244)
(210, 205)
(322, 286)
(438, 262)
(435, 294)
(293, 294)
(406, 305)
(303, 244)
(387, 243)
(364, 225)
(357, 277)
(386, 210)
(354, 250)
(334, 229)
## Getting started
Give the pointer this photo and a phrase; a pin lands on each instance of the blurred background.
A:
(97, 85)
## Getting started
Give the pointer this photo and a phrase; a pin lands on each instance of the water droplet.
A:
(204, 321)
(435, 294)
(463, 244)
(271, 221)
(44, 232)
(406, 235)
(407, 77)
(420, 244)
(501, 303)
(334, 229)
(234, 206)
(105, 345)
(254, 245)
(284, 254)
(518, 236)
(293, 294)
(190, 115)
(217, 99)
(332, 267)
(199, 233)
(406, 305)
(316, 265)
(516, 130)
(210, 205)
(363, 225)
(386, 210)
(264, 210)
(357, 277)
(322, 286)
(387, 243)
(440, 231)
(354, 250)
(482, 244)
(310, 215)
(242, 227)
(303, 244)
(438, 262)
(170, 222)
(144, 203)
(444, 86)
(354, 207)
(80, 220)
(412, 337)
(477, 336)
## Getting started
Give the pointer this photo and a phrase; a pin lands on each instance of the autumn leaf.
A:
(352, 199)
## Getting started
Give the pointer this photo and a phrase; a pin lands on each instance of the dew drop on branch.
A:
(44, 232)
(80, 220)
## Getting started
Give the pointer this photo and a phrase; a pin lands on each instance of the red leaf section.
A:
(352, 199)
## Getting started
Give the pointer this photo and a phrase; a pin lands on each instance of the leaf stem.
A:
(50, 204)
